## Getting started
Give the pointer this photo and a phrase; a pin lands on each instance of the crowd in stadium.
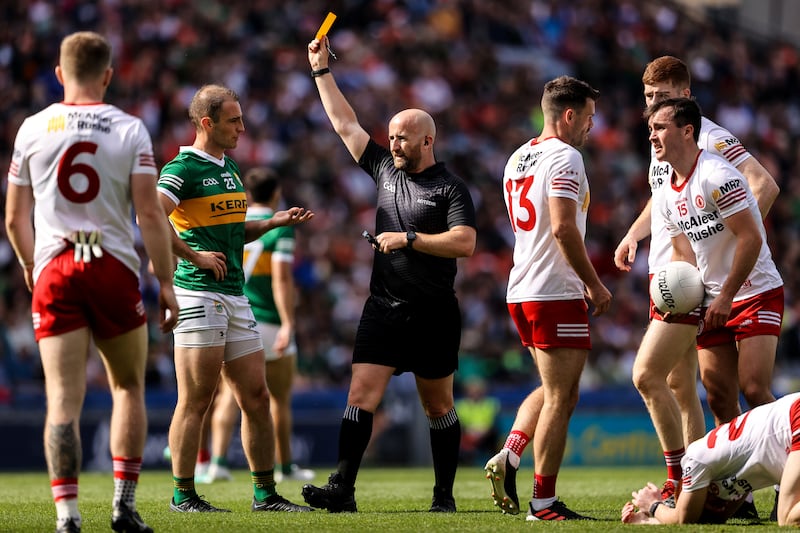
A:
(478, 68)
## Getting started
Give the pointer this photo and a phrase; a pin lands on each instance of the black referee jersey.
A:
(431, 202)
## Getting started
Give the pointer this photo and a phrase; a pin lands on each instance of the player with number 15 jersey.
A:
(83, 146)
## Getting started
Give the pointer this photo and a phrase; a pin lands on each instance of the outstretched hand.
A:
(292, 216)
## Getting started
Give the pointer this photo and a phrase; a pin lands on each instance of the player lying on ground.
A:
(760, 448)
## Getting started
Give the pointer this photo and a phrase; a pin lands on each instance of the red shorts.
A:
(691, 319)
(102, 295)
(760, 315)
(552, 324)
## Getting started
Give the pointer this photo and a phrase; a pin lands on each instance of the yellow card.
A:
(326, 25)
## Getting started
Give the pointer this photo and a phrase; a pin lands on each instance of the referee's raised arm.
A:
(339, 111)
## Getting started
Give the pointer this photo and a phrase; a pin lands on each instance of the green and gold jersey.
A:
(210, 214)
(276, 244)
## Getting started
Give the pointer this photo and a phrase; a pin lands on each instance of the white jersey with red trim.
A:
(715, 140)
(79, 160)
(714, 191)
(536, 171)
(746, 454)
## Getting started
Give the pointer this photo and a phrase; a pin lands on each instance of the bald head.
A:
(411, 135)
(415, 121)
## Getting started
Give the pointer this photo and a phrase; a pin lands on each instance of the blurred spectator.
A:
(478, 414)
(476, 66)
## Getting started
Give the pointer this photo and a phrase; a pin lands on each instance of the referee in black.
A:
(411, 321)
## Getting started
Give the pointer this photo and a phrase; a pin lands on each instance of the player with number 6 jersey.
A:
(82, 146)
(83, 166)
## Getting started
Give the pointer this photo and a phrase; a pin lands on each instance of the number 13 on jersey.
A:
(521, 210)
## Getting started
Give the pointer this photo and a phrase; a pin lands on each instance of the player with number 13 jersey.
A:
(538, 170)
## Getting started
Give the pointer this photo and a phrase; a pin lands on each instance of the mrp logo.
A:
(663, 289)
(724, 144)
(389, 187)
(208, 182)
(730, 186)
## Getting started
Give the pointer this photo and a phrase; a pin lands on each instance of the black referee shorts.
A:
(423, 340)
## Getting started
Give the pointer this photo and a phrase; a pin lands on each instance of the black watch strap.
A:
(410, 237)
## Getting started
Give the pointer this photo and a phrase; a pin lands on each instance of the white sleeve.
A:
(722, 143)
(18, 170)
(565, 173)
(145, 162)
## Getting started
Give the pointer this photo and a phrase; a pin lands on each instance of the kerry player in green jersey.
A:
(204, 197)
(270, 289)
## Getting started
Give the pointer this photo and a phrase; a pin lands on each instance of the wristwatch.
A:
(652, 511)
(410, 237)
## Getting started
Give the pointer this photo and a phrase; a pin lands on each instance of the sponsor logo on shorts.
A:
(218, 307)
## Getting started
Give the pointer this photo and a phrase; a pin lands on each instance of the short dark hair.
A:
(261, 183)
(207, 102)
(685, 111)
(566, 92)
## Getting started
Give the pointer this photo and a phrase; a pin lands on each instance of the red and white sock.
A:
(516, 443)
(544, 491)
(673, 461)
(65, 496)
(126, 477)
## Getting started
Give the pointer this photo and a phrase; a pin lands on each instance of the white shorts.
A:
(214, 319)
(268, 333)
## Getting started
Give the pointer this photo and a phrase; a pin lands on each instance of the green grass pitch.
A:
(389, 500)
